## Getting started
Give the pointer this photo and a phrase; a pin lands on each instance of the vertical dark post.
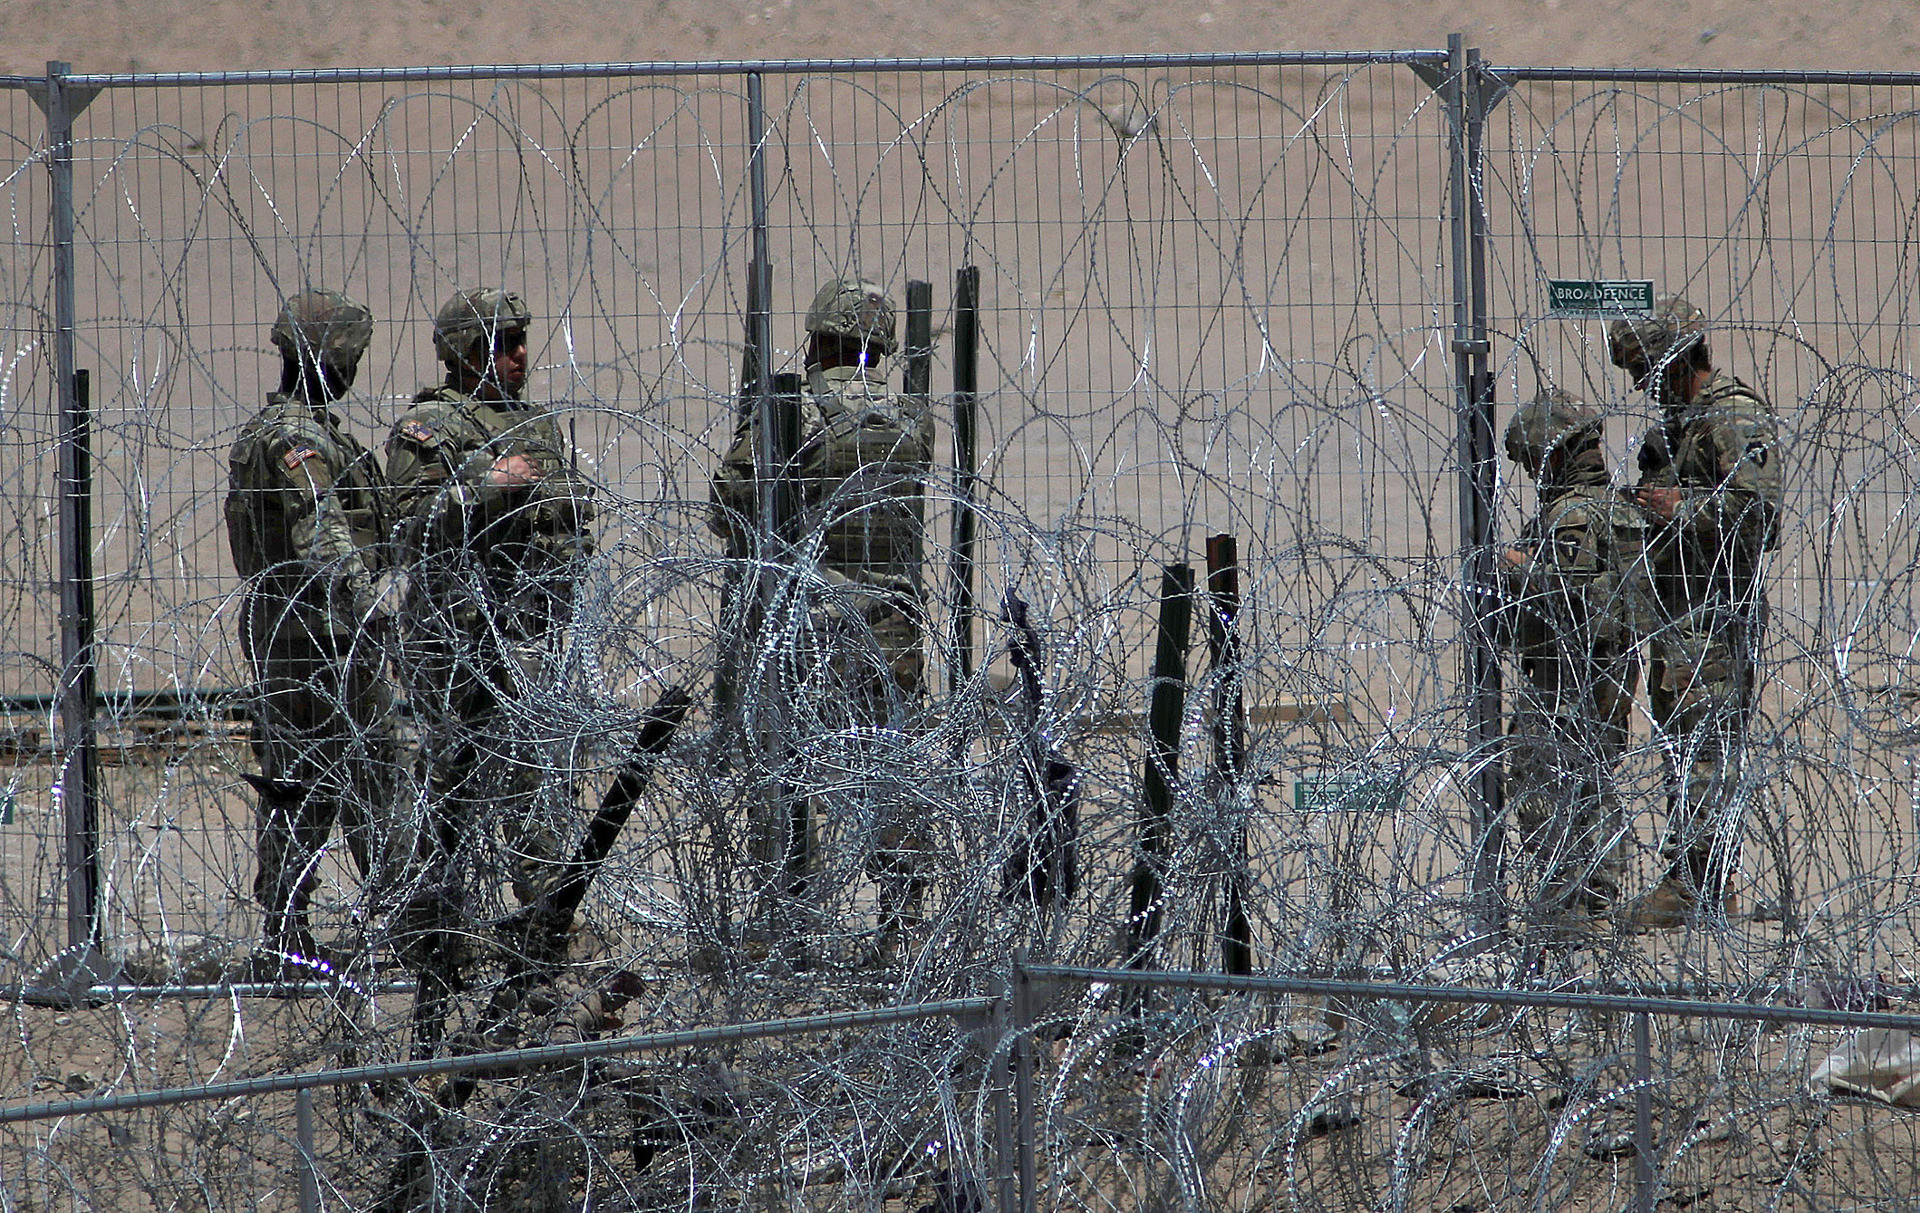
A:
(1473, 387)
(1229, 741)
(919, 337)
(1023, 1080)
(1643, 1192)
(79, 780)
(1167, 703)
(966, 454)
(783, 453)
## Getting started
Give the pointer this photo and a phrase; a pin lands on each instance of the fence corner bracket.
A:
(1489, 90)
(1433, 75)
(73, 98)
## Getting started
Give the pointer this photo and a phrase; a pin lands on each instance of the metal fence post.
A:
(1642, 1114)
(760, 347)
(62, 103)
(1473, 387)
(1023, 1079)
(1000, 1078)
(309, 1161)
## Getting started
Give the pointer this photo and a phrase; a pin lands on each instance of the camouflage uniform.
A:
(1721, 449)
(305, 526)
(859, 478)
(491, 572)
(864, 455)
(1577, 607)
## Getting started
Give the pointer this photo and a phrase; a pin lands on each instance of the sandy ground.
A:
(189, 35)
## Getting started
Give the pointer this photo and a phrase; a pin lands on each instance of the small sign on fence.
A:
(1348, 792)
(1598, 297)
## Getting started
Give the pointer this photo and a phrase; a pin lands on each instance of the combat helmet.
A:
(323, 327)
(1553, 420)
(1642, 344)
(854, 308)
(475, 316)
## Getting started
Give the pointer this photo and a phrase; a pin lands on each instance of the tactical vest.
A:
(864, 457)
(1587, 594)
(524, 543)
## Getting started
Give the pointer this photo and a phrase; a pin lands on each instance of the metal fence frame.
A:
(1455, 74)
(1010, 1017)
(1469, 88)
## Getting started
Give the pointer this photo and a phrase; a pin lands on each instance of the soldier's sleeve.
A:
(561, 503)
(418, 472)
(1743, 509)
(319, 532)
(1574, 552)
(1517, 587)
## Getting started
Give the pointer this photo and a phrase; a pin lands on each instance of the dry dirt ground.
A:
(207, 35)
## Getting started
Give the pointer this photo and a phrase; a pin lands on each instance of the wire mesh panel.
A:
(1215, 297)
(1208, 302)
(31, 842)
(1777, 209)
(1781, 209)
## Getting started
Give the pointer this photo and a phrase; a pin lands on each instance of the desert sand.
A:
(190, 35)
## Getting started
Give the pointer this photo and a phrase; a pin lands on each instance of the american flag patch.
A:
(417, 431)
(298, 455)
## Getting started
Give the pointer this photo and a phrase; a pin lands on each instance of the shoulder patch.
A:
(298, 455)
(417, 431)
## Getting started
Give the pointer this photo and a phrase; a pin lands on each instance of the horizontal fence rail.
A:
(516, 1061)
(1200, 663)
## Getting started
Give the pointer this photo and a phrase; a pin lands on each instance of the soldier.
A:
(1710, 485)
(1578, 593)
(859, 476)
(493, 524)
(305, 526)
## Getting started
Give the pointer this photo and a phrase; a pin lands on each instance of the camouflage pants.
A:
(500, 804)
(1565, 744)
(869, 645)
(1701, 683)
(854, 670)
(322, 734)
(877, 656)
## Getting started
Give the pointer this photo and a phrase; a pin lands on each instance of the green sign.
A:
(1595, 297)
(1348, 792)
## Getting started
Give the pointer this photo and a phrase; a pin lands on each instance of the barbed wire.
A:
(1212, 302)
